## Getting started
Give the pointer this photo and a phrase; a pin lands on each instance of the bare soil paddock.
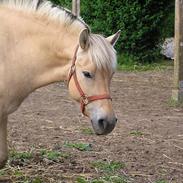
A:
(148, 139)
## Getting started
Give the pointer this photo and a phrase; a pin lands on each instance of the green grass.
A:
(109, 170)
(18, 161)
(173, 103)
(128, 64)
(141, 68)
(2, 172)
(115, 179)
(18, 173)
(13, 170)
(87, 131)
(18, 176)
(108, 166)
(14, 155)
(136, 133)
(104, 179)
(53, 155)
(79, 146)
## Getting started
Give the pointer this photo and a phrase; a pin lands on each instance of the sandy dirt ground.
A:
(148, 138)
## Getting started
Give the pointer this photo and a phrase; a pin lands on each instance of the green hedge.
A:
(143, 23)
(64, 3)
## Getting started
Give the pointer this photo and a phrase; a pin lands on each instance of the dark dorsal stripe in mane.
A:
(38, 3)
(69, 13)
(52, 9)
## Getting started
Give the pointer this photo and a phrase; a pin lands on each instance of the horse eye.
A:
(87, 74)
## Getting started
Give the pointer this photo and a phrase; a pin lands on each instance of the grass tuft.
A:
(173, 103)
(79, 146)
(108, 166)
(136, 133)
(14, 155)
(2, 172)
(53, 155)
(104, 179)
(81, 180)
(87, 131)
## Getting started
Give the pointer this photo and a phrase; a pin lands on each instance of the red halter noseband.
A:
(84, 99)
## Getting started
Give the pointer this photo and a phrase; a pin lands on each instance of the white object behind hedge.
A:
(168, 48)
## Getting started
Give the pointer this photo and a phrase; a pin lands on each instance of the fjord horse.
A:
(42, 44)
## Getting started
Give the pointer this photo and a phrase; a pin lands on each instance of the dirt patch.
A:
(148, 138)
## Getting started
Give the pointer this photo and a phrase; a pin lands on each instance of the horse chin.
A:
(100, 130)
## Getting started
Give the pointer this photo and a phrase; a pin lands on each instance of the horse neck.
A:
(54, 57)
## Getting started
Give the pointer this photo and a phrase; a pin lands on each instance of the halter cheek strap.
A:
(84, 99)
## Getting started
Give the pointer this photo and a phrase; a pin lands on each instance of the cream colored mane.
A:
(101, 51)
(44, 8)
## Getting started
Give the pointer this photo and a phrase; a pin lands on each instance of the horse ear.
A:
(113, 39)
(84, 39)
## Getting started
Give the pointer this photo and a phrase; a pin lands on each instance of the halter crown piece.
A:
(84, 99)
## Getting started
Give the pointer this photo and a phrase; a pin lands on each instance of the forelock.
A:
(102, 53)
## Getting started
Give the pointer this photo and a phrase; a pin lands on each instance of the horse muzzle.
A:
(104, 126)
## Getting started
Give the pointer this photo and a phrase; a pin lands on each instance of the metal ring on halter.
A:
(85, 100)
(73, 68)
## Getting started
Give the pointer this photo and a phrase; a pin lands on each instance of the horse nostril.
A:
(115, 120)
(102, 123)
(104, 126)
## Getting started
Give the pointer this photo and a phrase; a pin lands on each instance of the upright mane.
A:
(47, 8)
(101, 51)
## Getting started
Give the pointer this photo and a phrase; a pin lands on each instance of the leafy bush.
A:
(64, 3)
(143, 23)
(140, 22)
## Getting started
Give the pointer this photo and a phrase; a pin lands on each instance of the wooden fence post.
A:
(76, 7)
(177, 93)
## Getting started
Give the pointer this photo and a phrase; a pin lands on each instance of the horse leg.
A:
(3, 141)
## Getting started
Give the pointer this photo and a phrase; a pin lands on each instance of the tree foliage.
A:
(143, 23)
